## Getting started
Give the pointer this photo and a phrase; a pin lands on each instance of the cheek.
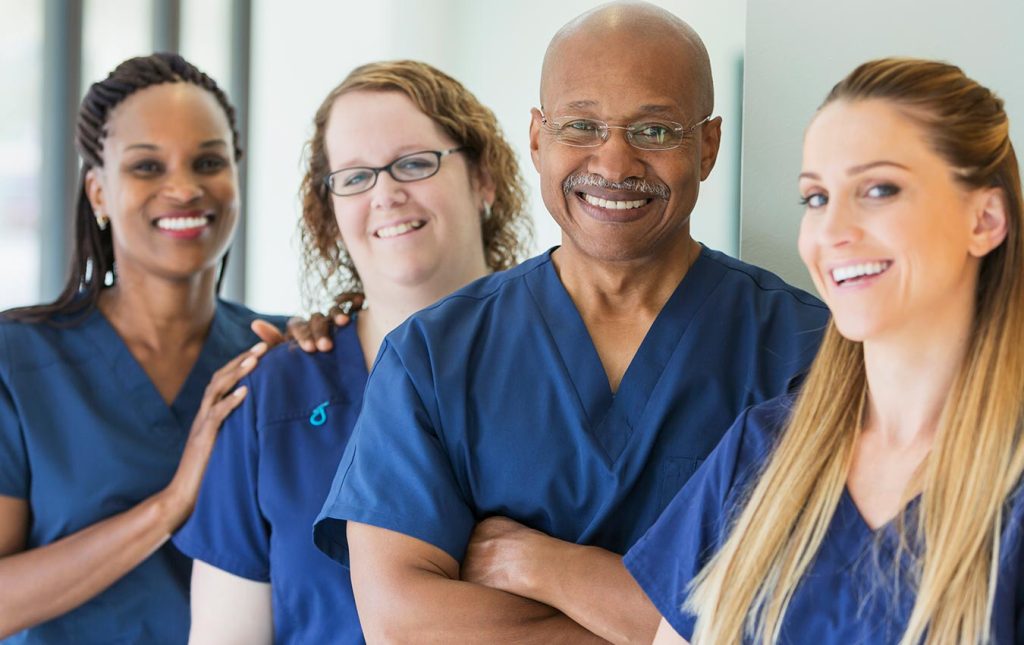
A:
(806, 243)
(350, 223)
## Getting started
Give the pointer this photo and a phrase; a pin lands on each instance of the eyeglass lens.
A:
(412, 167)
(652, 135)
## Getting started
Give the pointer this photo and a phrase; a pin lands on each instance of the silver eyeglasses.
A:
(411, 167)
(645, 135)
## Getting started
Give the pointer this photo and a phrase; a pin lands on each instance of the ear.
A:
(535, 125)
(710, 142)
(485, 186)
(989, 222)
(94, 189)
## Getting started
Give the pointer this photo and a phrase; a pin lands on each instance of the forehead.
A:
(373, 126)
(616, 74)
(167, 114)
(845, 134)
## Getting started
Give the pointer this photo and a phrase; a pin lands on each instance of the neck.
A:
(623, 288)
(388, 306)
(910, 373)
(161, 313)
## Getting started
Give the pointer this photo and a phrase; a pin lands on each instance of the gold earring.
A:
(102, 221)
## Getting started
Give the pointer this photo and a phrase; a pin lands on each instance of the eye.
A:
(814, 200)
(881, 191)
(354, 177)
(210, 164)
(146, 167)
(414, 164)
(581, 125)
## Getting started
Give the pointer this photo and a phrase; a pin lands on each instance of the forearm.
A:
(592, 587)
(427, 607)
(45, 582)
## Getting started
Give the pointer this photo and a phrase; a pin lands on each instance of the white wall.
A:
(304, 48)
(797, 50)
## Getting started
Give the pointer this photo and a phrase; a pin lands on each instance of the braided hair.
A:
(92, 260)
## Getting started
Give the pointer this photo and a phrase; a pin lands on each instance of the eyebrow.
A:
(212, 143)
(856, 170)
(644, 110)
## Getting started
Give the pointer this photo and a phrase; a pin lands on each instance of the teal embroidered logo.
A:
(319, 416)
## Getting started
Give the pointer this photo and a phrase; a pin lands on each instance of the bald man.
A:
(519, 436)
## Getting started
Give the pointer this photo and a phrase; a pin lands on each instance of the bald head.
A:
(642, 30)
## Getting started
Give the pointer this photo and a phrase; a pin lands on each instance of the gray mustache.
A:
(576, 180)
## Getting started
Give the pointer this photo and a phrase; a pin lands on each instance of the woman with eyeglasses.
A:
(883, 502)
(411, 192)
(106, 416)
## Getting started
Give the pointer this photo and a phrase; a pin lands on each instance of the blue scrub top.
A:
(84, 435)
(271, 466)
(494, 402)
(848, 595)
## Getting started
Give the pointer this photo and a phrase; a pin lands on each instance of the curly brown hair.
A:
(329, 276)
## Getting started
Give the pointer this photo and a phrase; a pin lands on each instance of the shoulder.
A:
(30, 345)
(471, 307)
(240, 316)
(290, 382)
(761, 283)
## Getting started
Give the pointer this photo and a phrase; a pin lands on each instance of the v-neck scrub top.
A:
(84, 435)
(848, 595)
(273, 463)
(494, 402)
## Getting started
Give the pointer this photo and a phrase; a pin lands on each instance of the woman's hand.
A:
(312, 334)
(219, 400)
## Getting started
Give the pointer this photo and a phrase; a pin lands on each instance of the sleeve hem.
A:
(682, 623)
(327, 527)
(228, 564)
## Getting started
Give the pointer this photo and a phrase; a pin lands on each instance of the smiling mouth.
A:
(609, 204)
(399, 229)
(857, 272)
(183, 223)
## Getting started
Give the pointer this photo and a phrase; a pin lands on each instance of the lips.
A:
(614, 204)
(399, 229)
(860, 271)
(184, 225)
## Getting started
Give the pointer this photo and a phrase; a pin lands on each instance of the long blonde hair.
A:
(978, 455)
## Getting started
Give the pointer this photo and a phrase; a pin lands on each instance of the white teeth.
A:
(841, 274)
(180, 223)
(399, 229)
(613, 205)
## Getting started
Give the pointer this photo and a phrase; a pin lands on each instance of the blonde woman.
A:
(881, 503)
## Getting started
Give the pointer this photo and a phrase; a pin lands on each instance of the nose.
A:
(182, 187)
(387, 193)
(616, 159)
(839, 225)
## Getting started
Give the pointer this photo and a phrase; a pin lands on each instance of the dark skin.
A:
(167, 155)
(515, 583)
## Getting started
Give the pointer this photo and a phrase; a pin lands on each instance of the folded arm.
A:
(588, 584)
(407, 590)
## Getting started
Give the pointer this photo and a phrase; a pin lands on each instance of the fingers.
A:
(339, 317)
(226, 378)
(267, 332)
(312, 335)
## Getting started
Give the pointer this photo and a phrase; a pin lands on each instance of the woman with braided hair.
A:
(105, 427)
(882, 503)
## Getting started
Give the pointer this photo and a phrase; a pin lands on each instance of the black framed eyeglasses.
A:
(653, 134)
(411, 167)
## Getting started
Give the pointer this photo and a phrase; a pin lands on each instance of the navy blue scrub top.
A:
(494, 402)
(272, 465)
(84, 435)
(848, 595)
